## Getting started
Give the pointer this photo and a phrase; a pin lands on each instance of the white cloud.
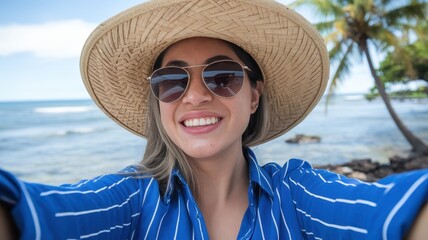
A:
(60, 39)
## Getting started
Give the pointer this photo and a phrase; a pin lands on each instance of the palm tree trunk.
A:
(418, 146)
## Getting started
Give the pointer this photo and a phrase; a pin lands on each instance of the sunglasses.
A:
(223, 78)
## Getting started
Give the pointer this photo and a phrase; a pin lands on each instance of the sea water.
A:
(64, 141)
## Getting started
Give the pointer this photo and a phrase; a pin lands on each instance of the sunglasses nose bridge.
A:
(197, 90)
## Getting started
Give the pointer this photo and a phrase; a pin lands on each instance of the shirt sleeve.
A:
(106, 207)
(332, 206)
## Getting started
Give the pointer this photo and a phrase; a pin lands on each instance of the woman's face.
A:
(204, 125)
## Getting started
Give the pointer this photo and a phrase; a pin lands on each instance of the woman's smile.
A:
(198, 122)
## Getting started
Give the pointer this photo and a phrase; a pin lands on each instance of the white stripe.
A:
(153, 217)
(286, 184)
(322, 178)
(344, 184)
(400, 203)
(331, 225)
(273, 175)
(348, 201)
(82, 183)
(188, 211)
(43, 194)
(145, 193)
(386, 186)
(104, 231)
(243, 237)
(197, 213)
(260, 223)
(135, 215)
(160, 224)
(81, 192)
(267, 183)
(178, 220)
(282, 214)
(32, 211)
(311, 233)
(200, 225)
(67, 214)
(274, 221)
(286, 169)
(257, 168)
(301, 164)
(133, 233)
(97, 179)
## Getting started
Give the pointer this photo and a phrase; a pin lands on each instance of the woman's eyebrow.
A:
(217, 58)
(180, 63)
(177, 63)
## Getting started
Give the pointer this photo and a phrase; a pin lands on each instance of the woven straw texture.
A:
(119, 55)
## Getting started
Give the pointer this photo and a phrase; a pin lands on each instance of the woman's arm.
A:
(8, 228)
(107, 206)
(420, 226)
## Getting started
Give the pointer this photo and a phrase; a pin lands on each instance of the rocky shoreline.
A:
(368, 170)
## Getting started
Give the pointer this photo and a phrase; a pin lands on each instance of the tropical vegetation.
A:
(355, 29)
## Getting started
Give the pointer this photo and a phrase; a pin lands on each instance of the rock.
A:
(416, 163)
(363, 165)
(344, 170)
(367, 170)
(359, 175)
(301, 138)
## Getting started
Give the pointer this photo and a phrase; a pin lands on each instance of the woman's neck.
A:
(222, 192)
(221, 175)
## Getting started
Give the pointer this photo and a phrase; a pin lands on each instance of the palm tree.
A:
(351, 27)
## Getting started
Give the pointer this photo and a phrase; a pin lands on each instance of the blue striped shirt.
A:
(290, 202)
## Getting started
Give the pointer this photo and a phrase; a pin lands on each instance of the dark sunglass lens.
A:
(168, 84)
(224, 78)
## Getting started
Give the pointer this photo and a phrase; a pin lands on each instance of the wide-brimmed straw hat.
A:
(120, 53)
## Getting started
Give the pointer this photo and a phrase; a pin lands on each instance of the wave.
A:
(354, 97)
(76, 131)
(64, 109)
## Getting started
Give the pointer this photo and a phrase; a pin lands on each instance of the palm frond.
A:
(412, 11)
(325, 27)
(342, 69)
(322, 8)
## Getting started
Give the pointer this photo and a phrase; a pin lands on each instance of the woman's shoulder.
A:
(274, 168)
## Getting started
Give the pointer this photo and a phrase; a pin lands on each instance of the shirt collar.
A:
(175, 178)
(257, 175)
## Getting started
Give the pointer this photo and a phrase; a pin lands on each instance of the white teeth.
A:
(196, 122)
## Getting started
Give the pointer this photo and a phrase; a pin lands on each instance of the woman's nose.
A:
(197, 93)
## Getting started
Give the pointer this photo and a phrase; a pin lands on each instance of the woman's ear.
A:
(256, 92)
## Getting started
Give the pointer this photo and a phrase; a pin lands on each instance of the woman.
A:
(203, 81)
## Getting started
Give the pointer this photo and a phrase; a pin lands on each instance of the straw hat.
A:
(120, 53)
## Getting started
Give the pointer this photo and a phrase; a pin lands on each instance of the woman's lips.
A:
(199, 122)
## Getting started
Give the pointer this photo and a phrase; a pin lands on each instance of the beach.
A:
(58, 142)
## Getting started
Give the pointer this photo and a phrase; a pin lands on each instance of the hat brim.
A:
(119, 55)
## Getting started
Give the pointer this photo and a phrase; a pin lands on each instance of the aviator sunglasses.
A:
(223, 78)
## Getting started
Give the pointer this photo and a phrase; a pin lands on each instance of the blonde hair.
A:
(162, 155)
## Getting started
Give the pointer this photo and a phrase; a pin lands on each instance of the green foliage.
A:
(421, 92)
(391, 69)
(350, 26)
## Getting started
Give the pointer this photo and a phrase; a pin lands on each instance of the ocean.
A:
(56, 142)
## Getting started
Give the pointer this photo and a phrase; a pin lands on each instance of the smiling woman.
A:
(204, 81)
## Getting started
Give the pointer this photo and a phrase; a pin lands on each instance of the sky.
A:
(41, 41)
